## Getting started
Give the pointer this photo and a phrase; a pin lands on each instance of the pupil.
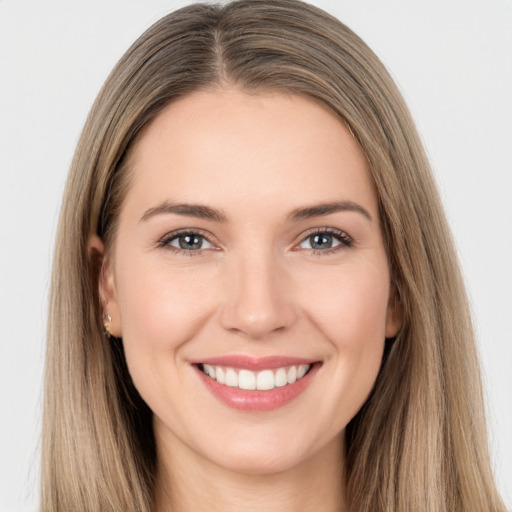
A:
(190, 242)
(321, 241)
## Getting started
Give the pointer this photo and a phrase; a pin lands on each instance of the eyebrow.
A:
(189, 210)
(319, 210)
(205, 212)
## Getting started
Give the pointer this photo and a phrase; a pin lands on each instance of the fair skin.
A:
(262, 273)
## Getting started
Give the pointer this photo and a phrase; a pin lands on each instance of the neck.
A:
(188, 484)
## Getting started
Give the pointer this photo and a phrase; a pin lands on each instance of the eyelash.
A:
(344, 240)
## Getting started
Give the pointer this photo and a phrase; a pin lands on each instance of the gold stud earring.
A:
(106, 321)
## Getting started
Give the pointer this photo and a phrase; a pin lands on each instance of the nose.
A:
(258, 297)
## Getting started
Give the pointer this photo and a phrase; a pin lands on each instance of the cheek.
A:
(161, 308)
(349, 304)
(349, 308)
(159, 304)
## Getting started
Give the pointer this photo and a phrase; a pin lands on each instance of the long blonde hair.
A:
(419, 442)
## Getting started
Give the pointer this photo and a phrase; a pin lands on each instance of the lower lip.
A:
(254, 400)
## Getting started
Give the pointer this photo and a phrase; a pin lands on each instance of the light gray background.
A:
(452, 59)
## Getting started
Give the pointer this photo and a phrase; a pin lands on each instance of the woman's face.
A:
(249, 248)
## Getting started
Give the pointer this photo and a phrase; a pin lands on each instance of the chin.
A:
(262, 463)
(269, 454)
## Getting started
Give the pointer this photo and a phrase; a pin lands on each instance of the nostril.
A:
(273, 320)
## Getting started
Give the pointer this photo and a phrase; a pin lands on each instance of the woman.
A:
(256, 303)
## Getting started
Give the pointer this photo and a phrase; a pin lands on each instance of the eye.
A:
(325, 241)
(186, 241)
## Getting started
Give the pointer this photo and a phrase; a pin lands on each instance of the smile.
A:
(264, 380)
(256, 384)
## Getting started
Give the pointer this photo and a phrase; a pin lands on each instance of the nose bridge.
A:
(257, 294)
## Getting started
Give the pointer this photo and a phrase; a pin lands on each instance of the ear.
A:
(106, 285)
(394, 314)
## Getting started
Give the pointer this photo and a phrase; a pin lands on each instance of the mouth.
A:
(249, 380)
(256, 384)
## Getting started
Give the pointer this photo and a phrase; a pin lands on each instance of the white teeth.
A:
(301, 371)
(231, 378)
(265, 380)
(246, 380)
(220, 375)
(210, 370)
(291, 376)
(249, 380)
(281, 379)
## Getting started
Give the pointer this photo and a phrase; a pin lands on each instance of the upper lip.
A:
(254, 363)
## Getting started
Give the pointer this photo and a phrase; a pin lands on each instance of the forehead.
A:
(231, 149)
